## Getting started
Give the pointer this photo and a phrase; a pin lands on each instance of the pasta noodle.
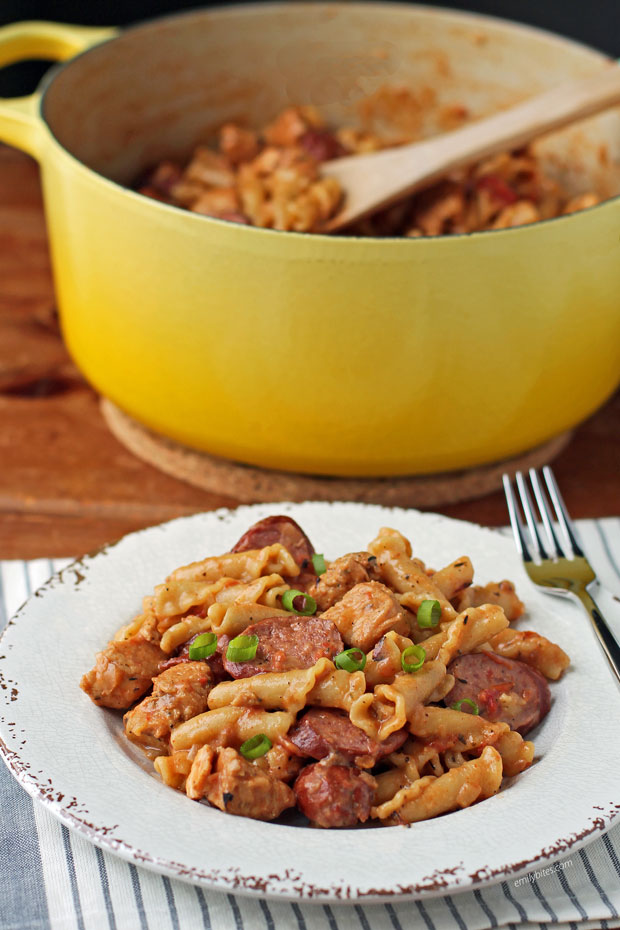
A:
(444, 728)
(405, 575)
(234, 619)
(338, 689)
(178, 634)
(459, 787)
(389, 708)
(455, 577)
(469, 630)
(383, 662)
(226, 726)
(192, 585)
(273, 690)
(531, 648)
(403, 774)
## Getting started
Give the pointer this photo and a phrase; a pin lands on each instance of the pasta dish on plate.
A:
(367, 688)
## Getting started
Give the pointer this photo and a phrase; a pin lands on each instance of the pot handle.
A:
(20, 121)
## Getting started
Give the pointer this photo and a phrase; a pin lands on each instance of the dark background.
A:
(595, 22)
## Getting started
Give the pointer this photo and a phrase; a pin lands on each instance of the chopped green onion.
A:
(412, 652)
(472, 704)
(429, 614)
(351, 660)
(255, 746)
(319, 563)
(242, 648)
(298, 602)
(203, 646)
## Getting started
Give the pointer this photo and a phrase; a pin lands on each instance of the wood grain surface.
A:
(67, 486)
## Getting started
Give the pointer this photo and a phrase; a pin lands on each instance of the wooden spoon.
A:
(382, 178)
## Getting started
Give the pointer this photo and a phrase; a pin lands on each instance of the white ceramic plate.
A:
(72, 757)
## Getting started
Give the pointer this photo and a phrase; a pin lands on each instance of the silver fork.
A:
(560, 569)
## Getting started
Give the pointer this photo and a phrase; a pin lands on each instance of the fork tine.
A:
(561, 512)
(515, 520)
(528, 510)
(555, 549)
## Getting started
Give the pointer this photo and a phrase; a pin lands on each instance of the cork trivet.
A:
(250, 484)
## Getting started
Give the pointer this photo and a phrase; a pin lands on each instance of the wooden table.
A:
(67, 486)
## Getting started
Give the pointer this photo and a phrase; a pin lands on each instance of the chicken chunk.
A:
(366, 613)
(341, 576)
(123, 672)
(503, 594)
(179, 693)
(238, 787)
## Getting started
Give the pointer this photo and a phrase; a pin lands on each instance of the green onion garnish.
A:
(472, 704)
(429, 614)
(255, 746)
(298, 602)
(351, 660)
(412, 652)
(319, 563)
(242, 648)
(203, 646)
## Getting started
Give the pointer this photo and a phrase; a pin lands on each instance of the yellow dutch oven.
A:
(326, 355)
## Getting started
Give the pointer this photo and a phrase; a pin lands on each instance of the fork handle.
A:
(610, 645)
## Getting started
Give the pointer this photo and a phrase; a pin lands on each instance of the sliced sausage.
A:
(214, 662)
(287, 642)
(279, 529)
(334, 795)
(322, 731)
(322, 145)
(505, 690)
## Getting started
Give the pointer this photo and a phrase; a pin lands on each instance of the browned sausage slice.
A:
(505, 690)
(214, 661)
(322, 731)
(279, 529)
(334, 795)
(322, 145)
(287, 642)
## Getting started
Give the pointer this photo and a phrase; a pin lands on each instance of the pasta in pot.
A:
(393, 696)
(271, 177)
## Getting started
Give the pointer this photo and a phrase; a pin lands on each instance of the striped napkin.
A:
(52, 879)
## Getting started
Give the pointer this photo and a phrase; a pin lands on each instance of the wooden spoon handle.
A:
(382, 178)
